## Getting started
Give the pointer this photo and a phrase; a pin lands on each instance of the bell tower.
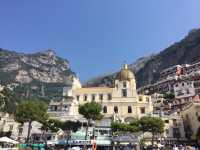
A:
(125, 83)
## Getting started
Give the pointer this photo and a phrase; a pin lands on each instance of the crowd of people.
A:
(184, 147)
(172, 147)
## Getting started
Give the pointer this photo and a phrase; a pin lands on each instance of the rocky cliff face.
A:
(147, 69)
(183, 52)
(34, 74)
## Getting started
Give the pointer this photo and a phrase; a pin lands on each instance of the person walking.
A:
(175, 147)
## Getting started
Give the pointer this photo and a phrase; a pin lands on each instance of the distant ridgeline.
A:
(40, 75)
(147, 69)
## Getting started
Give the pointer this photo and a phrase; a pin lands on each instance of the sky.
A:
(96, 36)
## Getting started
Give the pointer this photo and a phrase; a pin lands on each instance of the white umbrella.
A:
(51, 142)
(8, 140)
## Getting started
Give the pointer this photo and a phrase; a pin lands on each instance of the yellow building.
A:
(120, 102)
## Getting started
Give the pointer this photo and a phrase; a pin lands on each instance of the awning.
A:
(8, 140)
(124, 138)
(103, 142)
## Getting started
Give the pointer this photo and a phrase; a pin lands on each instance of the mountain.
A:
(147, 69)
(39, 75)
(107, 80)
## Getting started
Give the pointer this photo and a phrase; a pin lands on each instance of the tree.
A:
(52, 125)
(168, 96)
(8, 101)
(90, 111)
(3, 97)
(70, 126)
(152, 124)
(118, 127)
(29, 111)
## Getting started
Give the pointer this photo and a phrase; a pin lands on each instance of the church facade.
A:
(120, 102)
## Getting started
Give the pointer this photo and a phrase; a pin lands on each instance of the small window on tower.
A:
(124, 84)
(109, 96)
(124, 92)
(117, 86)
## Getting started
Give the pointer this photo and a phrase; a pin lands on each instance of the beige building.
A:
(173, 130)
(190, 116)
(120, 101)
(8, 124)
(174, 127)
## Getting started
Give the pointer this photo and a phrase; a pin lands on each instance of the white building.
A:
(173, 129)
(120, 101)
(8, 124)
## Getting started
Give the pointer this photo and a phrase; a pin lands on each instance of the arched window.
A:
(116, 109)
(124, 84)
(129, 109)
(104, 109)
(124, 92)
(85, 97)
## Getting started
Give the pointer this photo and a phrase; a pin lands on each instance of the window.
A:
(77, 97)
(187, 117)
(129, 109)
(101, 96)
(140, 98)
(167, 131)
(104, 109)
(175, 122)
(117, 86)
(116, 109)
(20, 130)
(166, 121)
(124, 93)
(188, 91)
(93, 97)
(124, 84)
(55, 108)
(85, 97)
(10, 127)
(147, 99)
(109, 96)
(142, 110)
(176, 132)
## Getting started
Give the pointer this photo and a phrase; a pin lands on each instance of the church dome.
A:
(125, 74)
